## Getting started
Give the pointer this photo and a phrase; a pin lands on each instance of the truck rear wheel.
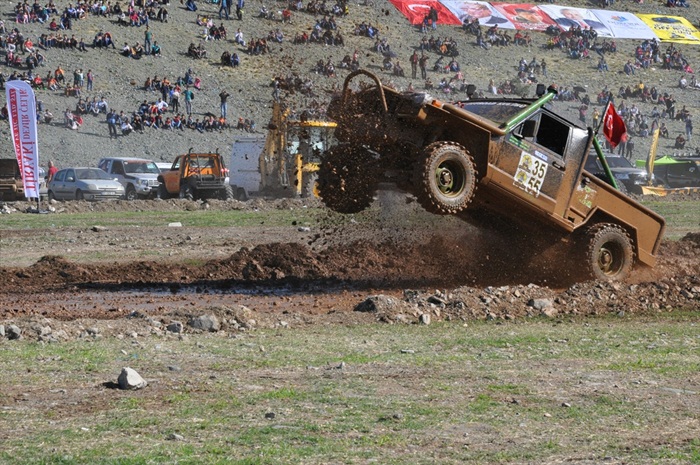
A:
(227, 193)
(446, 178)
(609, 255)
(345, 180)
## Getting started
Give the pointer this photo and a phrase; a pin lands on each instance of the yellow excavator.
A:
(285, 162)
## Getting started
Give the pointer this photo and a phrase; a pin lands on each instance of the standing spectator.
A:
(422, 63)
(689, 127)
(224, 8)
(112, 124)
(596, 118)
(175, 99)
(189, 96)
(433, 15)
(223, 95)
(147, 36)
(622, 145)
(671, 106)
(239, 9)
(276, 90)
(543, 68)
(414, 64)
(52, 171)
(90, 79)
(629, 148)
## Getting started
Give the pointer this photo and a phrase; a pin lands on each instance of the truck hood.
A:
(138, 176)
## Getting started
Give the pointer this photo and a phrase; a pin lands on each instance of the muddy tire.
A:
(186, 192)
(131, 193)
(346, 181)
(609, 255)
(79, 195)
(162, 192)
(446, 179)
(227, 193)
(241, 194)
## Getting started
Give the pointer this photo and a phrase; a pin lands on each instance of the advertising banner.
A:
(525, 16)
(21, 111)
(566, 17)
(672, 28)
(624, 25)
(486, 14)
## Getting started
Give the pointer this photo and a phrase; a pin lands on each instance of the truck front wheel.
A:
(131, 193)
(186, 192)
(446, 179)
(610, 254)
(162, 192)
(345, 180)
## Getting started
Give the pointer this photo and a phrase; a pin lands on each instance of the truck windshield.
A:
(498, 112)
(134, 167)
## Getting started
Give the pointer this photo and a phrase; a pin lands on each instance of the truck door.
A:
(532, 160)
(172, 177)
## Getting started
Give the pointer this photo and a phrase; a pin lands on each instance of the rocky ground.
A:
(291, 276)
(288, 276)
(120, 80)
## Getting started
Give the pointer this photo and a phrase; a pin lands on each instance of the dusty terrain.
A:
(120, 79)
(320, 274)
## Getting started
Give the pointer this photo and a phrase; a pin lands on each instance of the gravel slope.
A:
(120, 79)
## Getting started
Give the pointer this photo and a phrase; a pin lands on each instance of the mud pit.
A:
(442, 267)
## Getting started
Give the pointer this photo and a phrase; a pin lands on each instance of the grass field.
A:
(607, 390)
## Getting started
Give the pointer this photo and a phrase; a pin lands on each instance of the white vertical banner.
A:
(21, 110)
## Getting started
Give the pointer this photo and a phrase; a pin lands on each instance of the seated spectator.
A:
(680, 142)
(126, 127)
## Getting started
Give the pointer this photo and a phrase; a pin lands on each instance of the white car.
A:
(138, 175)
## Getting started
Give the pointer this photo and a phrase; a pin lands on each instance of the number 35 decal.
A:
(530, 174)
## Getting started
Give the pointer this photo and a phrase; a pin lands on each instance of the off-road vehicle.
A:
(195, 176)
(138, 176)
(514, 157)
(11, 187)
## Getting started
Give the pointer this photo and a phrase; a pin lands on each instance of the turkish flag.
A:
(614, 128)
(415, 11)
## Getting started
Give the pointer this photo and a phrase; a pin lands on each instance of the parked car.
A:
(628, 178)
(138, 175)
(676, 172)
(164, 166)
(84, 184)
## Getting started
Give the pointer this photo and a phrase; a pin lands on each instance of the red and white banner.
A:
(415, 11)
(21, 110)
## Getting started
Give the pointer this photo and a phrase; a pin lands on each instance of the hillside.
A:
(120, 79)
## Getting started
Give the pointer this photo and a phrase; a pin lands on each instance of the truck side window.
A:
(527, 129)
(553, 134)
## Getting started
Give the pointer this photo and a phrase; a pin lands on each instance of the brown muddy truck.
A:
(512, 157)
(11, 186)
